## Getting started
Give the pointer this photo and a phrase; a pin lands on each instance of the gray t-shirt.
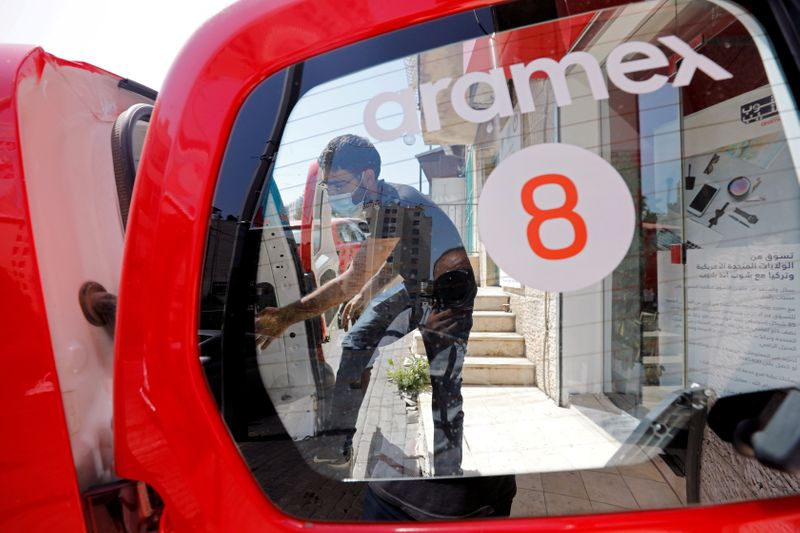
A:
(425, 231)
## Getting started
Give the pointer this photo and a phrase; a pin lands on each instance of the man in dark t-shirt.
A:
(413, 271)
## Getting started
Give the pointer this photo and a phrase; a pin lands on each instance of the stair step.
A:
(492, 301)
(662, 359)
(499, 371)
(493, 321)
(485, 344)
(491, 289)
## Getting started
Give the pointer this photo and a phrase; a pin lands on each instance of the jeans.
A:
(445, 355)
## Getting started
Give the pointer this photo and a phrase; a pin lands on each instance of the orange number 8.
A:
(539, 216)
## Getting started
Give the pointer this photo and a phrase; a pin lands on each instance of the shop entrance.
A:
(645, 357)
(697, 296)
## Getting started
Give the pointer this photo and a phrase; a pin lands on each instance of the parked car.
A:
(347, 234)
(349, 237)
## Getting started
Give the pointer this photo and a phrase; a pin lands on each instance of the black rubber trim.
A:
(138, 88)
(122, 154)
(787, 15)
(238, 325)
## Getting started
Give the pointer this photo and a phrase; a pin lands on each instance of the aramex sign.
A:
(647, 57)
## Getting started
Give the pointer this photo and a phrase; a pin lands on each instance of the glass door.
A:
(645, 349)
(661, 319)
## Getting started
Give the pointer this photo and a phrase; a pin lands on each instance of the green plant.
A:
(411, 377)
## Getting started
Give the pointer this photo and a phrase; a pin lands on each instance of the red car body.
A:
(167, 429)
(340, 227)
(348, 238)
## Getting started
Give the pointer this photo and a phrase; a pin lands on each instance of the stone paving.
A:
(557, 453)
(519, 429)
(387, 443)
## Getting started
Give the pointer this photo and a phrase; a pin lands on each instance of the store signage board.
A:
(553, 216)
(618, 67)
(556, 217)
(742, 300)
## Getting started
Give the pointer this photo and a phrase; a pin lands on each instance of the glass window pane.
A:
(549, 248)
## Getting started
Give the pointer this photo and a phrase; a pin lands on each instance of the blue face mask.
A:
(342, 204)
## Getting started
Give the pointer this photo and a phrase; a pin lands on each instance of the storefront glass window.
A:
(548, 248)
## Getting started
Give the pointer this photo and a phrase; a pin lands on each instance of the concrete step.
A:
(486, 344)
(491, 299)
(499, 371)
(494, 321)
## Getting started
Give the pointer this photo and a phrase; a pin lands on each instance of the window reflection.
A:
(393, 347)
(649, 352)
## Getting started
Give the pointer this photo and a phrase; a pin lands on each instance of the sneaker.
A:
(334, 459)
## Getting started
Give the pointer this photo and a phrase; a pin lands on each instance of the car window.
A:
(349, 232)
(356, 232)
(364, 227)
(343, 230)
(582, 233)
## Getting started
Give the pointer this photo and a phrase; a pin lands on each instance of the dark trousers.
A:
(445, 355)
(382, 509)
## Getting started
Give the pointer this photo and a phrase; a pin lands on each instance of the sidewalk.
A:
(558, 454)
(388, 442)
(519, 429)
(506, 430)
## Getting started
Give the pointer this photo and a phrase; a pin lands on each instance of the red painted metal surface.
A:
(307, 216)
(346, 249)
(168, 430)
(38, 486)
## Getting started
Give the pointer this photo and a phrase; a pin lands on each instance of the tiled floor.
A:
(616, 489)
(559, 454)
(519, 429)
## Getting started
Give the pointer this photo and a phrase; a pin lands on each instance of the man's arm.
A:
(272, 322)
(352, 310)
(379, 281)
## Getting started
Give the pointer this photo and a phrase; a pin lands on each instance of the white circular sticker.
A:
(556, 217)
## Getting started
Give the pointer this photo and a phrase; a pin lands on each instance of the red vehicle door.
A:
(58, 391)
(245, 77)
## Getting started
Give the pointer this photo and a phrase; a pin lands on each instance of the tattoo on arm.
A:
(370, 258)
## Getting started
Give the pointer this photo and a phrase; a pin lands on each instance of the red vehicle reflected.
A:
(348, 235)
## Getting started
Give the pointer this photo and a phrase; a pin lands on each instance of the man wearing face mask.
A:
(409, 235)
(412, 272)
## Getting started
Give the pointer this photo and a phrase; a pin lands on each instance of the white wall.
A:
(450, 195)
(581, 311)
